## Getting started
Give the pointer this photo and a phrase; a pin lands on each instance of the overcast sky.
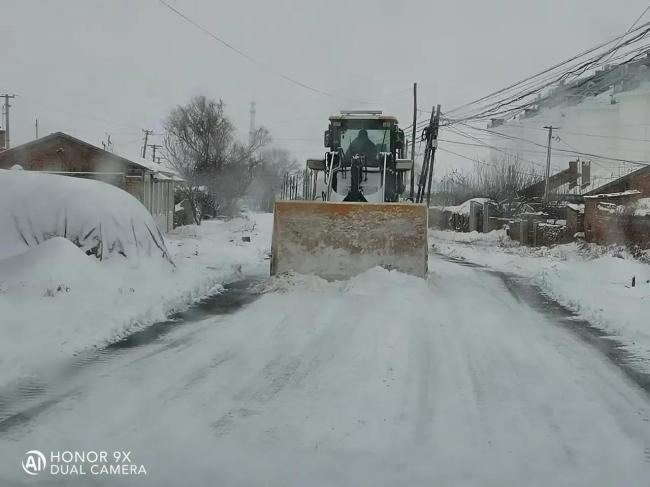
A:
(94, 67)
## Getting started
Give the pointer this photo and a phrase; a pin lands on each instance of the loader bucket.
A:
(339, 240)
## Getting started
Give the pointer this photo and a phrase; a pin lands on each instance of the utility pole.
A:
(154, 147)
(36, 125)
(415, 120)
(426, 175)
(548, 161)
(434, 146)
(7, 107)
(147, 133)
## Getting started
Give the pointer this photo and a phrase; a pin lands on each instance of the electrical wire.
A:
(573, 152)
(252, 59)
(619, 44)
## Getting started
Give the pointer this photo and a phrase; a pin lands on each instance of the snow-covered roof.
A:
(159, 176)
(463, 208)
(580, 208)
(629, 192)
(555, 225)
(158, 167)
(16, 154)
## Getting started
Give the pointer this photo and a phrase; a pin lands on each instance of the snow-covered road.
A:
(385, 379)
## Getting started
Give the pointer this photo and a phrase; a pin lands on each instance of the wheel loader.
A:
(354, 213)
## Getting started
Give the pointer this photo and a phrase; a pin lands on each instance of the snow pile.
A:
(580, 208)
(55, 264)
(101, 219)
(55, 300)
(290, 281)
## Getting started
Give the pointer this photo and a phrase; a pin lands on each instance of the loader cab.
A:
(362, 162)
(366, 133)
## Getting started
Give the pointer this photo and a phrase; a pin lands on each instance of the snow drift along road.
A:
(56, 301)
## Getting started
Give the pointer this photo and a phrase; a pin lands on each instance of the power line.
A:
(558, 65)
(249, 57)
(495, 108)
(584, 134)
(463, 134)
(466, 157)
(573, 152)
(483, 162)
(633, 24)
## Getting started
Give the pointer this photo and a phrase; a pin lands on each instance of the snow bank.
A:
(491, 238)
(101, 219)
(56, 301)
(593, 281)
(51, 263)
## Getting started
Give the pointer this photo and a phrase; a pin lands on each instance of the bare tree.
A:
(499, 180)
(200, 144)
(267, 177)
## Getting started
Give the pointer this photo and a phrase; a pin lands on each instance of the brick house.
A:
(605, 219)
(639, 180)
(60, 153)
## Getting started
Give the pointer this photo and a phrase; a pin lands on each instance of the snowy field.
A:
(56, 301)
(591, 280)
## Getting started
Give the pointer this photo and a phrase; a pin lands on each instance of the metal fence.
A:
(298, 186)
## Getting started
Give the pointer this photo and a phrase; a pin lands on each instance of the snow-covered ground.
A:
(385, 379)
(56, 301)
(591, 280)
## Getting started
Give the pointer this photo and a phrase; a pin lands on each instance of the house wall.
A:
(62, 155)
(162, 202)
(620, 229)
(640, 182)
(595, 227)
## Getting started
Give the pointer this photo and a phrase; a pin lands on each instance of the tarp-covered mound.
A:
(100, 219)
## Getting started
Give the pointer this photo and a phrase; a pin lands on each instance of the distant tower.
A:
(251, 130)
